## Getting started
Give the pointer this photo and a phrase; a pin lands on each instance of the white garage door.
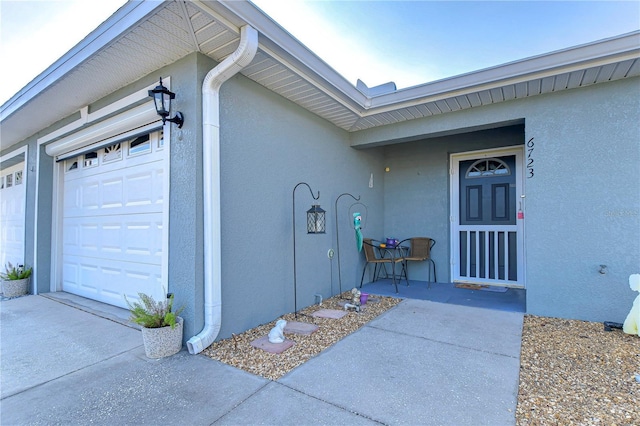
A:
(12, 203)
(113, 213)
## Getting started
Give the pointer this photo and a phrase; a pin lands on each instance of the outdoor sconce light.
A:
(162, 99)
(315, 225)
(315, 220)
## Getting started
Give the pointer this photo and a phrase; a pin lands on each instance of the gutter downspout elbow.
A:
(239, 59)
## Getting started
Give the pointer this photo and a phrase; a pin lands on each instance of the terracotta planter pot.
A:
(164, 341)
(14, 288)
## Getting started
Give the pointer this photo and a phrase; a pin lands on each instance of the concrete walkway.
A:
(421, 362)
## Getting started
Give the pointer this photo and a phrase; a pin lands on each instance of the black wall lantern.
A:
(162, 99)
(315, 220)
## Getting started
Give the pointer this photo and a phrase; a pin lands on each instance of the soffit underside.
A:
(218, 41)
(502, 93)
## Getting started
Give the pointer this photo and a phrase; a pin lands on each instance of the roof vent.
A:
(382, 89)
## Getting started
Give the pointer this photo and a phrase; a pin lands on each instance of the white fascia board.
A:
(110, 30)
(615, 49)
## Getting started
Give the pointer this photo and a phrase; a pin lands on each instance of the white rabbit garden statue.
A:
(276, 335)
(632, 323)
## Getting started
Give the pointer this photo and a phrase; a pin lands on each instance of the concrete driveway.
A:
(422, 362)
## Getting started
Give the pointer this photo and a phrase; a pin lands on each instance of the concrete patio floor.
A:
(499, 298)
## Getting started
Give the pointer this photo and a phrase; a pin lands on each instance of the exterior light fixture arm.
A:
(178, 119)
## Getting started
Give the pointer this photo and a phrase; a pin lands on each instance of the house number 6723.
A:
(530, 146)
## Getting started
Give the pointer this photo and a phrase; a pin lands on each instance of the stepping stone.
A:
(329, 313)
(304, 328)
(274, 348)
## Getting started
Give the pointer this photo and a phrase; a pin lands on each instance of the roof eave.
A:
(614, 49)
(275, 41)
(127, 16)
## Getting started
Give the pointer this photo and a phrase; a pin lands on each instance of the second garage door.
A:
(12, 203)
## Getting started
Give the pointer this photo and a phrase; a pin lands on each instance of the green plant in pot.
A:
(161, 326)
(15, 280)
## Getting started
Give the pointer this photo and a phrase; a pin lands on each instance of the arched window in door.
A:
(488, 167)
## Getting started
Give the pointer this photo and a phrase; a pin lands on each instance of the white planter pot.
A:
(13, 288)
(164, 341)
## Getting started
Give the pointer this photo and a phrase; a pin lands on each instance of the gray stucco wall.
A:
(44, 217)
(185, 198)
(268, 146)
(582, 204)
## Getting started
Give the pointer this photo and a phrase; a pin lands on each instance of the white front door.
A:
(113, 237)
(487, 218)
(12, 209)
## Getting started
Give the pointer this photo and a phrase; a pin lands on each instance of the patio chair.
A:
(369, 246)
(420, 251)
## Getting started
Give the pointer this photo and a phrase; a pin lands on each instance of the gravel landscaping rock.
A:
(575, 373)
(238, 352)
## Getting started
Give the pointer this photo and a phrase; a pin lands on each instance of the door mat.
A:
(329, 313)
(303, 328)
(274, 348)
(482, 287)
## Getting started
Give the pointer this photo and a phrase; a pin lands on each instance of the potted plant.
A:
(161, 326)
(15, 280)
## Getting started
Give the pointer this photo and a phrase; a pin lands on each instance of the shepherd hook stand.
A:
(295, 284)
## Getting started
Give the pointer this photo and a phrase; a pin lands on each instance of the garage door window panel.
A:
(140, 145)
(90, 159)
(112, 153)
(71, 165)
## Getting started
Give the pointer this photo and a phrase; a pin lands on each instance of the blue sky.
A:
(408, 42)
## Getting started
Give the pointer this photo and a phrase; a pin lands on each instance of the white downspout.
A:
(211, 185)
